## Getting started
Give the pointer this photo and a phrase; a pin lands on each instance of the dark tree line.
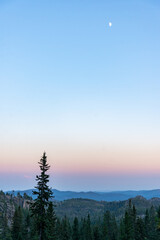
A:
(40, 222)
(129, 227)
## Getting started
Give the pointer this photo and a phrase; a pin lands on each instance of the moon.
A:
(110, 24)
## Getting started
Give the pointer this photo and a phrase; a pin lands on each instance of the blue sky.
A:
(80, 90)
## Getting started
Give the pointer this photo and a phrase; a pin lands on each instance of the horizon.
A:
(80, 80)
(103, 191)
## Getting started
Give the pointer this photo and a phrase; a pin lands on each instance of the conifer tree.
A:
(58, 229)
(26, 231)
(122, 230)
(75, 235)
(88, 230)
(147, 224)
(158, 223)
(5, 233)
(152, 231)
(139, 229)
(109, 227)
(104, 226)
(66, 229)
(129, 221)
(82, 229)
(41, 203)
(51, 221)
(96, 233)
(17, 225)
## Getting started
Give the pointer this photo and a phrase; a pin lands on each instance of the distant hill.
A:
(82, 207)
(98, 196)
(79, 207)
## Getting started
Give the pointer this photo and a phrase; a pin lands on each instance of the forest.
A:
(129, 227)
(22, 218)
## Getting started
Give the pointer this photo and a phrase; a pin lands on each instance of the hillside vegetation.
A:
(84, 219)
(78, 207)
(81, 207)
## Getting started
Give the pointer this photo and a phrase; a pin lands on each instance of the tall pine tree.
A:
(41, 203)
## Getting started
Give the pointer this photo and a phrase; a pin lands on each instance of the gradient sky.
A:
(86, 93)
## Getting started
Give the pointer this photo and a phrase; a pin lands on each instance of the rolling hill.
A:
(98, 196)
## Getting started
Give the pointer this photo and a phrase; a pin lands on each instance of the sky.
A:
(81, 81)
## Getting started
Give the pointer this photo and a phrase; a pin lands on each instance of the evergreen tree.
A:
(66, 229)
(58, 229)
(147, 224)
(122, 230)
(33, 229)
(88, 231)
(104, 226)
(27, 227)
(5, 232)
(158, 223)
(129, 222)
(109, 227)
(51, 221)
(139, 230)
(17, 225)
(41, 203)
(96, 233)
(114, 229)
(82, 228)
(152, 233)
(75, 230)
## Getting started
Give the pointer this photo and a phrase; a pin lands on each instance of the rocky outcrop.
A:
(8, 204)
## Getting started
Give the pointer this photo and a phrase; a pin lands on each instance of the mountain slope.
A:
(98, 196)
(78, 207)
(82, 207)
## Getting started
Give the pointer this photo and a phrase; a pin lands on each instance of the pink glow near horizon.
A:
(109, 162)
(89, 168)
